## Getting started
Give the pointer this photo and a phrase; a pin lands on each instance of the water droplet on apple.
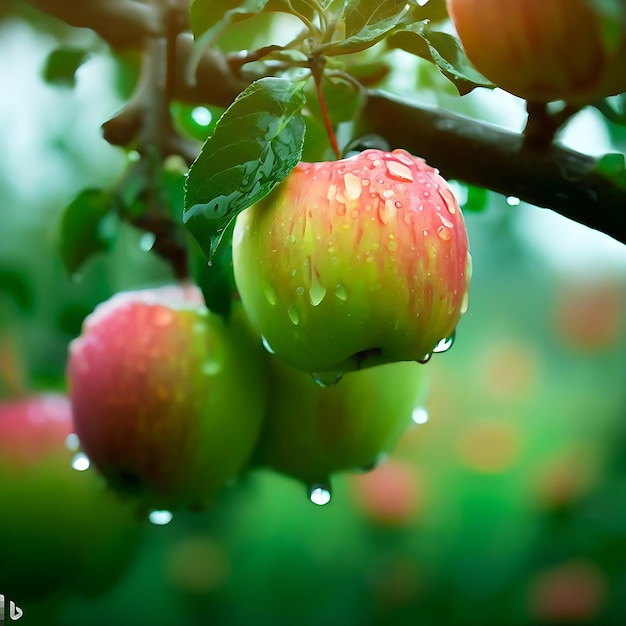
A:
(399, 171)
(317, 292)
(327, 379)
(294, 316)
(71, 442)
(299, 291)
(147, 241)
(80, 462)
(365, 182)
(320, 493)
(444, 344)
(425, 358)
(512, 201)
(268, 292)
(445, 234)
(419, 415)
(341, 209)
(353, 185)
(464, 303)
(266, 345)
(160, 518)
(340, 292)
(291, 239)
(163, 317)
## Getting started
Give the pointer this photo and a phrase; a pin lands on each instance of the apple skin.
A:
(312, 432)
(544, 50)
(354, 263)
(61, 530)
(168, 398)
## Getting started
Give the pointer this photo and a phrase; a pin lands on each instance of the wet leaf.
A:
(256, 143)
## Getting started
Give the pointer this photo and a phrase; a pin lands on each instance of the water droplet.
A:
(294, 316)
(425, 233)
(317, 292)
(365, 182)
(71, 442)
(341, 209)
(389, 193)
(291, 239)
(377, 162)
(444, 344)
(445, 234)
(147, 241)
(80, 462)
(340, 292)
(399, 171)
(299, 291)
(211, 367)
(419, 415)
(160, 518)
(327, 379)
(320, 493)
(446, 222)
(425, 358)
(392, 245)
(266, 345)
(512, 201)
(398, 204)
(353, 185)
(464, 303)
(268, 292)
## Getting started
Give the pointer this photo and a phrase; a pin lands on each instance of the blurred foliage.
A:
(505, 508)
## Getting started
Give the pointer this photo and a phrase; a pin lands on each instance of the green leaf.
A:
(215, 15)
(61, 65)
(370, 34)
(358, 14)
(444, 50)
(88, 226)
(256, 143)
(215, 279)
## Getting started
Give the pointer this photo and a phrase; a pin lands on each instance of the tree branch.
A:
(487, 156)
(467, 150)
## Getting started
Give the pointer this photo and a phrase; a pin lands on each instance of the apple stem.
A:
(318, 71)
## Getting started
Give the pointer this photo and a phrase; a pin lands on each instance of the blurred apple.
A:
(312, 432)
(546, 50)
(354, 263)
(168, 398)
(61, 529)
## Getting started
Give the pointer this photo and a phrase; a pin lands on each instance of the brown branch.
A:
(467, 150)
(487, 156)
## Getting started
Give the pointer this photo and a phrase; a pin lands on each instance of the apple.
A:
(354, 263)
(544, 50)
(61, 530)
(168, 397)
(312, 432)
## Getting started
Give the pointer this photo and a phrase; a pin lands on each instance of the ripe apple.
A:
(312, 432)
(61, 530)
(544, 50)
(354, 263)
(168, 397)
